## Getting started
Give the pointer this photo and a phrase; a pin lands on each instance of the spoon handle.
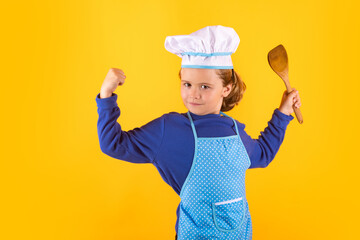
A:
(298, 114)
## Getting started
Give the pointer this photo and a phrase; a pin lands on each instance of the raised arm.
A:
(139, 145)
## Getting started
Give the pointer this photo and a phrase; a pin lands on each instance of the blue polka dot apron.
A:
(213, 203)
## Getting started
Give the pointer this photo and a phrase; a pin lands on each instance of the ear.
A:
(227, 90)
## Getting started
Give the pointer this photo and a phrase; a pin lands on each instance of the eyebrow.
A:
(199, 83)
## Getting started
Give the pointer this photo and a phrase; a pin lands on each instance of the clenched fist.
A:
(114, 78)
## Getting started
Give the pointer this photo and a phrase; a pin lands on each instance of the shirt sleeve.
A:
(262, 151)
(139, 145)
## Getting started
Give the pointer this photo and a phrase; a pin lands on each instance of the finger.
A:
(292, 97)
(121, 82)
(121, 75)
(293, 93)
(295, 99)
(119, 71)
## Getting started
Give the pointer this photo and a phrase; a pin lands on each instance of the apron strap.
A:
(237, 131)
(192, 125)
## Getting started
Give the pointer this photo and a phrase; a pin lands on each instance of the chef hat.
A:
(209, 47)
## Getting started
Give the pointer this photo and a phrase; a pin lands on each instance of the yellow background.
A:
(56, 182)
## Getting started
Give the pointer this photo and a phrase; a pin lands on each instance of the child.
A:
(202, 155)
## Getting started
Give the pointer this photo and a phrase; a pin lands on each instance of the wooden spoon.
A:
(278, 61)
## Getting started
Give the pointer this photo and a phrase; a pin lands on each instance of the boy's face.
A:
(202, 90)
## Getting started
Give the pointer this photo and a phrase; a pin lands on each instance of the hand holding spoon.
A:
(278, 61)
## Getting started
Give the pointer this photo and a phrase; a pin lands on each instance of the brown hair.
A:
(230, 76)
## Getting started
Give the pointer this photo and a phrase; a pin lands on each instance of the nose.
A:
(194, 93)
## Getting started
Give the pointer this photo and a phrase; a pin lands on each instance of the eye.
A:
(205, 86)
(185, 84)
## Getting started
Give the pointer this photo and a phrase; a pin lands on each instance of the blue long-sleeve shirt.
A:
(168, 141)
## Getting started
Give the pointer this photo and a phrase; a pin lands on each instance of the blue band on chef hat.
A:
(207, 54)
(206, 66)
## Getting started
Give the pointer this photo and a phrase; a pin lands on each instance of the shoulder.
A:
(168, 118)
(241, 126)
(174, 116)
(170, 115)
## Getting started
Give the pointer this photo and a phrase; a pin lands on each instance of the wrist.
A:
(105, 94)
(284, 112)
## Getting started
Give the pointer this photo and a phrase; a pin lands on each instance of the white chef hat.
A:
(209, 47)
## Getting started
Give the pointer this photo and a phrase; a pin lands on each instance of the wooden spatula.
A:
(278, 61)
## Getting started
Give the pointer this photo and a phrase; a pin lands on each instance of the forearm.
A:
(268, 143)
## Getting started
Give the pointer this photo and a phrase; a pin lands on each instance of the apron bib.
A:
(213, 203)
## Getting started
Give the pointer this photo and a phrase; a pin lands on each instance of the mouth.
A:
(195, 104)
